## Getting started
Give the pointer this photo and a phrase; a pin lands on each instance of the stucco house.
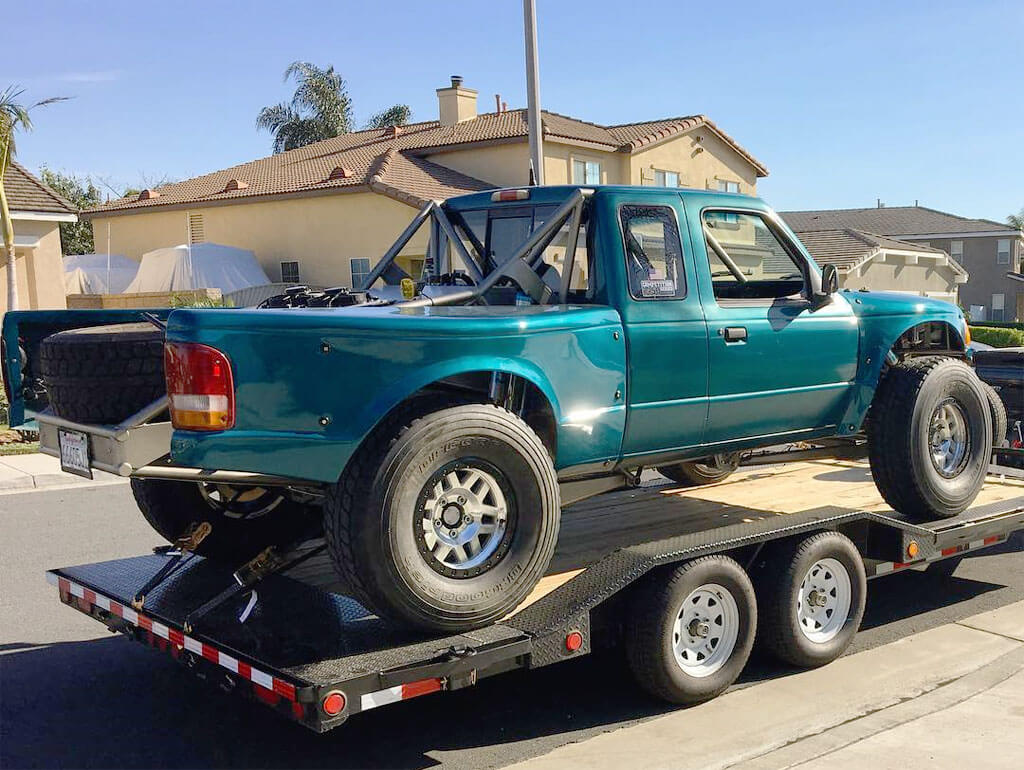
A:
(36, 213)
(990, 252)
(324, 213)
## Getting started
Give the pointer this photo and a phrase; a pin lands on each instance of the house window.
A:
(360, 271)
(289, 272)
(196, 233)
(1003, 251)
(998, 301)
(666, 178)
(956, 250)
(724, 185)
(586, 172)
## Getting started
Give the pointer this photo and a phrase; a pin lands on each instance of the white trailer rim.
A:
(705, 630)
(824, 600)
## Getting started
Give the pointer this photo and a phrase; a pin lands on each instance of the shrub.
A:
(998, 337)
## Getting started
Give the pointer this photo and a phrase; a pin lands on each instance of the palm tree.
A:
(1016, 220)
(320, 108)
(396, 115)
(13, 115)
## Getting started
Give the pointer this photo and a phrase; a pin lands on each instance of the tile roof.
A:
(26, 193)
(353, 160)
(890, 220)
(847, 248)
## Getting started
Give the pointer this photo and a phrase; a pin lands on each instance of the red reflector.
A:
(573, 641)
(333, 703)
(199, 387)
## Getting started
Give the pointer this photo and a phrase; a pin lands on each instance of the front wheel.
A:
(930, 437)
(448, 522)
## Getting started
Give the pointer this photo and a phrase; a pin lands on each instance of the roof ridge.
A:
(72, 209)
(673, 119)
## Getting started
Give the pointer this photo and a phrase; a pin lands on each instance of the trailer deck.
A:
(295, 644)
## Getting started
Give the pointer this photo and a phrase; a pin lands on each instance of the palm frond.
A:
(395, 115)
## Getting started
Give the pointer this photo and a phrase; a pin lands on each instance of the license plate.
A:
(74, 452)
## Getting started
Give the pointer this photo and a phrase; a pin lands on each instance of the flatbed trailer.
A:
(319, 658)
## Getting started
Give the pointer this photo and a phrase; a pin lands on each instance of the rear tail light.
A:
(199, 387)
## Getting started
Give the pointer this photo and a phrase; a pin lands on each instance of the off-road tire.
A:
(697, 474)
(778, 580)
(370, 516)
(171, 506)
(898, 437)
(102, 374)
(649, 635)
(1000, 426)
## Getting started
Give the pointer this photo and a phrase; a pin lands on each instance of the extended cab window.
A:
(747, 259)
(654, 255)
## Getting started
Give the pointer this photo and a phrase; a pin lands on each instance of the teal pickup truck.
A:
(560, 340)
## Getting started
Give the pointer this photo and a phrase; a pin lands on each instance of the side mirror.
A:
(829, 280)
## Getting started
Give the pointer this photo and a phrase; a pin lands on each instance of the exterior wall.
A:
(506, 165)
(893, 274)
(558, 160)
(699, 170)
(40, 270)
(321, 232)
(986, 276)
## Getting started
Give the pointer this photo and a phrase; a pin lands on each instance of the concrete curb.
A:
(27, 473)
(791, 720)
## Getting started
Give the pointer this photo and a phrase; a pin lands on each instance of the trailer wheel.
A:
(692, 629)
(930, 437)
(245, 520)
(447, 523)
(811, 597)
(696, 474)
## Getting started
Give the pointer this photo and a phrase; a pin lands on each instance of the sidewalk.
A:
(23, 473)
(948, 698)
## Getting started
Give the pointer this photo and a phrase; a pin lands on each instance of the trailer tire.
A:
(698, 474)
(393, 555)
(671, 643)
(825, 567)
(171, 506)
(103, 374)
(929, 437)
(1000, 425)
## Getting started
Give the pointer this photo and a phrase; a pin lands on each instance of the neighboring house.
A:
(36, 213)
(877, 263)
(323, 214)
(990, 252)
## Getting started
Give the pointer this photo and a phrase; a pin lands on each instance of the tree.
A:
(396, 115)
(1016, 220)
(320, 108)
(13, 116)
(75, 237)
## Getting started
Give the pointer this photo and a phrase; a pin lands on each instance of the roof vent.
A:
(456, 81)
(340, 172)
(393, 131)
(235, 184)
(148, 195)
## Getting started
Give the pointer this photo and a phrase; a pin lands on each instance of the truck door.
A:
(665, 329)
(781, 363)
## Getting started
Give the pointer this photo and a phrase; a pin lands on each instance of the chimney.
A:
(456, 104)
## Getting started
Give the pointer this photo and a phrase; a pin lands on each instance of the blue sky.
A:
(844, 102)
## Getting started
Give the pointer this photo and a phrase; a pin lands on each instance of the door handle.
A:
(735, 333)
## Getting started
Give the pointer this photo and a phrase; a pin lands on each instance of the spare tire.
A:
(103, 374)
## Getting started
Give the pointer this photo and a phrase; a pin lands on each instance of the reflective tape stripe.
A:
(401, 692)
(885, 568)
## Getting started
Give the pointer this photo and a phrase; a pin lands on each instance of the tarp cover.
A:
(87, 273)
(210, 266)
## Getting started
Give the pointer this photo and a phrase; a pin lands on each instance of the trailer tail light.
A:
(573, 641)
(199, 387)
(333, 703)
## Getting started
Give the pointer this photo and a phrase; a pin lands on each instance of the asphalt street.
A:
(72, 695)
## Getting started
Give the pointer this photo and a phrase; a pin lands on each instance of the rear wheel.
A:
(244, 520)
(930, 437)
(692, 629)
(707, 471)
(811, 597)
(448, 522)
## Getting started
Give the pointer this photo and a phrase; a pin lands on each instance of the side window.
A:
(654, 255)
(747, 258)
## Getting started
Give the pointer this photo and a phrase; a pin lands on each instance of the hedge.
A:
(998, 337)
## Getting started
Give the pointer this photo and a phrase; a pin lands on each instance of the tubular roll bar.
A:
(442, 233)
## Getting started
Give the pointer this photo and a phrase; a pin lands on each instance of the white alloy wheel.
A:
(705, 631)
(823, 601)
